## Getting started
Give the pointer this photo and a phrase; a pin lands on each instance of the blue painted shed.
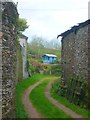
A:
(49, 58)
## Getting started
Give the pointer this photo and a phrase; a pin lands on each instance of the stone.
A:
(8, 60)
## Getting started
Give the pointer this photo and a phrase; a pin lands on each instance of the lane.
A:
(30, 109)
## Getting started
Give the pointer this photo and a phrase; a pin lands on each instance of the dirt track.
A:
(60, 106)
(31, 110)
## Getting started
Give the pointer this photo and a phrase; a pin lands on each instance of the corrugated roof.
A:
(74, 28)
(49, 55)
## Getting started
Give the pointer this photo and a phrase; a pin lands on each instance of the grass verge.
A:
(66, 103)
(21, 87)
(43, 105)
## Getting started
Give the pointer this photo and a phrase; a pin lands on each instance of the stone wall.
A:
(75, 51)
(81, 52)
(0, 74)
(67, 55)
(76, 64)
(8, 50)
(0, 61)
(89, 65)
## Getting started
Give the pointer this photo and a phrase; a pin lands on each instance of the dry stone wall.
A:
(81, 52)
(0, 74)
(89, 65)
(67, 55)
(75, 52)
(8, 57)
(76, 64)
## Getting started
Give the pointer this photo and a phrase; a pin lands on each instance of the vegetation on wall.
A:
(56, 94)
(74, 89)
(21, 24)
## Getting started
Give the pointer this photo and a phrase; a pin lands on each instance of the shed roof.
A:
(49, 55)
(74, 28)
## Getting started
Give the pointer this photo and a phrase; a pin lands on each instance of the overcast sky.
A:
(48, 18)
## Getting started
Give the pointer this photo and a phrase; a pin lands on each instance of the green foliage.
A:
(36, 49)
(32, 68)
(75, 90)
(35, 66)
(21, 24)
(34, 54)
(39, 46)
(42, 103)
(21, 87)
(55, 69)
(56, 94)
(56, 85)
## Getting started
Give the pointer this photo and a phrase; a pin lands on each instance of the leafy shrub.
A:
(55, 69)
(56, 86)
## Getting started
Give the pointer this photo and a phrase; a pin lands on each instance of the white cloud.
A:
(48, 18)
(53, 4)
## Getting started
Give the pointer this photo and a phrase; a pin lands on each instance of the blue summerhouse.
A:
(49, 58)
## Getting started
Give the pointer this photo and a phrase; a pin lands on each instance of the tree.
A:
(37, 42)
(21, 24)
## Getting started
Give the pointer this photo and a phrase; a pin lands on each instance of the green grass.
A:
(72, 106)
(43, 105)
(37, 97)
(20, 111)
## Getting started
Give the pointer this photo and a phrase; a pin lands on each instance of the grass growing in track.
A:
(66, 103)
(21, 87)
(43, 105)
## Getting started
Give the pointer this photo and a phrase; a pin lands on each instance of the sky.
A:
(49, 18)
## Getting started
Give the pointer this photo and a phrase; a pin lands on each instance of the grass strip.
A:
(66, 103)
(43, 105)
(21, 87)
